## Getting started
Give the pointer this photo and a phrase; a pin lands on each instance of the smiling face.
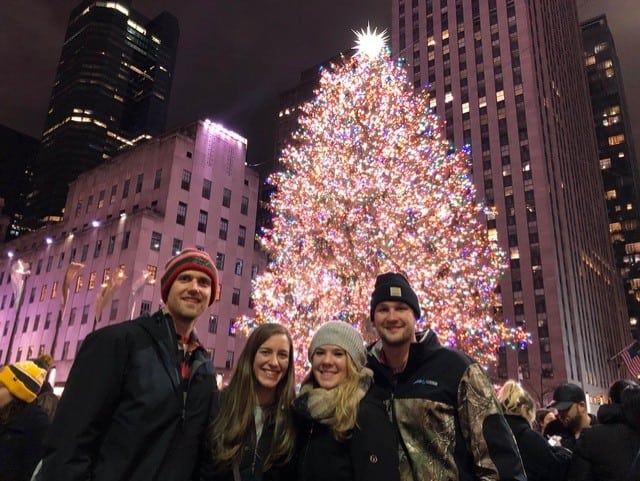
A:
(270, 366)
(189, 296)
(329, 365)
(395, 323)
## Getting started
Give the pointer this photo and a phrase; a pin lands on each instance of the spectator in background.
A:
(571, 403)
(542, 462)
(543, 417)
(22, 422)
(606, 451)
(47, 399)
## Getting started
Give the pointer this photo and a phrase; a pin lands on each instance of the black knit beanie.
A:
(393, 286)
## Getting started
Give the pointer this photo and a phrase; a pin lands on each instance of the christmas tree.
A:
(371, 185)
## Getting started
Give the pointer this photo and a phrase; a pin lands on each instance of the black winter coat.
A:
(605, 451)
(370, 454)
(21, 443)
(124, 415)
(250, 466)
(542, 462)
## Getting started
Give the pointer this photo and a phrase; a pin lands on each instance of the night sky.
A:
(235, 56)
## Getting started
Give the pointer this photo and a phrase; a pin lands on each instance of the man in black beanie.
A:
(444, 406)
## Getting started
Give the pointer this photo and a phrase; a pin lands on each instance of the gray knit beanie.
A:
(343, 335)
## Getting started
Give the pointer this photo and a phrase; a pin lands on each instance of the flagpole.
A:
(620, 352)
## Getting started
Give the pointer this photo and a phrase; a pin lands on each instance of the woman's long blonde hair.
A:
(234, 422)
(512, 397)
(347, 398)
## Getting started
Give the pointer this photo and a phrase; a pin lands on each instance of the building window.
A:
(242, 235)
(181, 216)
(60, 260)
(125, 240)
(113, 313)
(156, 240)
(98, 248)
(226, 198)
(177, 247)
(72, 315)
(254, 271)
(213, 324)
(72, 257)
(112, 245)
(47, 321)
(244, 206)
(101, 199)
(78, 283)
(206, 188)
(186, 180)
(139, 181)
(220, 261)
(238, 268)
(49, 263)
(92, 280)
(38, 269)
(85, 314)
(65, 350)
(232, 328)
(224, 228)
(125, 188)
(85, 253)
(158, 179)
(106, 275)
(235, 297)
(145, 308)
(203, 217)
(32, 295)
(43, 292)
(25, 325)
(228, 364)
(114, 191)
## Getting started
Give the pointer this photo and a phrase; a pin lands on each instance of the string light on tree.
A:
(371, 185)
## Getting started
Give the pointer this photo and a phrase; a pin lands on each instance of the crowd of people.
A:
(141, 403)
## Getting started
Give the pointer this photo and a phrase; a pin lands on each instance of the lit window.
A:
(611, 194)
(616, 139)
(499, 95)
(605, 163)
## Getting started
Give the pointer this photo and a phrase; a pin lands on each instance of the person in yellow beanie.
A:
(22, 422)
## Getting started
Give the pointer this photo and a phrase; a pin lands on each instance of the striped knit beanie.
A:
(24, 379)
(189, 259)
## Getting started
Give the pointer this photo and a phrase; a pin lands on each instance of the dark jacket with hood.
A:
(21, 442)
(449, 420)
(370, 453)
(125, 414)
(605, 451)
(542, 462)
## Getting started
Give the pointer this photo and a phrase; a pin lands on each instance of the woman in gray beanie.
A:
(344, 432)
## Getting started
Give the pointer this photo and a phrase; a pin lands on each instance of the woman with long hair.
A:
(344, 431)
(541, 461)
(252, 436)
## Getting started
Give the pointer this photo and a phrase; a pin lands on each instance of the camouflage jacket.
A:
(449, 422)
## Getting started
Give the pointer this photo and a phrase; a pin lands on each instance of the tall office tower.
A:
(17, 154)
(125, 219)
(507, 78)
(111, 90)
(618, 162)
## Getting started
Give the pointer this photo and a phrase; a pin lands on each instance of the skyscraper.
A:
(111, 90)
(506, 77)
(618, 162)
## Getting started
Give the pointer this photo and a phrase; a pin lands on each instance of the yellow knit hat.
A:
(24, 379)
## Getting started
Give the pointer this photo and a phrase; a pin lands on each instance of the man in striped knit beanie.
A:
(140, 393)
